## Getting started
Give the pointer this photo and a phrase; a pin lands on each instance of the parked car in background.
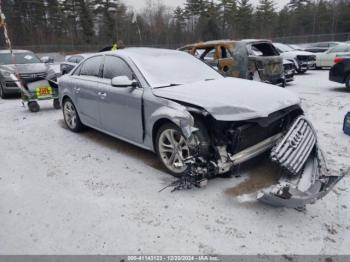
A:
(71, 61)
(29, 67)
(320, 47)
(327, 58)
(297, 47)
(340, 72)
(302, 60)
(289, 70)
(248, 59)
(171, 103)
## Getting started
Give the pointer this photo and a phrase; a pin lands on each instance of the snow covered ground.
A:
(66, 193)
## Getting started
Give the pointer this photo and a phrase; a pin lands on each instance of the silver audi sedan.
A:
(173, 104)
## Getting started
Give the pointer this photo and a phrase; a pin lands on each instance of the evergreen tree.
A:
(244, 18)
(265, 18)
(228, 10)
(86, 20)
(208, 28)
(105, 11)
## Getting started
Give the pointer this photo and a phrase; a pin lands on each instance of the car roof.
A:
(133, 52)
(251, 41)
(225, 42)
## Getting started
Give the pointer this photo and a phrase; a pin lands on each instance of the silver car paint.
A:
(132, 113)
(156, 108)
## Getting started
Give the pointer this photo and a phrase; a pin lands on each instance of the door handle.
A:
(76, 90)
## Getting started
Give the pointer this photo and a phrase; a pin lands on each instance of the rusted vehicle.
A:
(248, 59)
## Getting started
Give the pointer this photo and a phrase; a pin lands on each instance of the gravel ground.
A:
(66, 193)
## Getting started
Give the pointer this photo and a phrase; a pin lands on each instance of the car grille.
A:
(33, 76)
(306, 58)
(295, 148)
(253, 134)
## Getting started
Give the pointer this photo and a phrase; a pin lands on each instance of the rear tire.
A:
(347, 81)
(71, 117)
(34, 106)
(171, 147)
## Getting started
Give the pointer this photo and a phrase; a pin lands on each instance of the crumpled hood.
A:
(27, 68)
(232, 99)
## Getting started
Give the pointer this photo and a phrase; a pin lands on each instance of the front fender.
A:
(175, 113)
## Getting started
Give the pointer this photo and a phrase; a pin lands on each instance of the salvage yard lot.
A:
(66, 193)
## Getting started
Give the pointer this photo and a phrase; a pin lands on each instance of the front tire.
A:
(71, 117)
(172, 148)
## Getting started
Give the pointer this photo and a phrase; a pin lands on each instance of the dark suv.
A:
(29, 67)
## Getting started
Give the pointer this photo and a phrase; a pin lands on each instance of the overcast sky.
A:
(139, 4)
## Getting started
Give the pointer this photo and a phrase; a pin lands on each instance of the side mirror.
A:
(47, 60)
(123, 82)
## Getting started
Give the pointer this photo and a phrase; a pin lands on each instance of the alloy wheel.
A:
(70, 115)
(173, 150)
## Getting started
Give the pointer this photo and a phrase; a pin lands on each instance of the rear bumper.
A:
(10, 88)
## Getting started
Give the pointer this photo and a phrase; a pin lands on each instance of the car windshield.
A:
(163, 68)
(20, 58)
(284, 48)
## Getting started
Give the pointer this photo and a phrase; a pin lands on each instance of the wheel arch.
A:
(64, 98)
(156, 126)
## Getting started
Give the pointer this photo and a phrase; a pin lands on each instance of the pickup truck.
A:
(340, 72)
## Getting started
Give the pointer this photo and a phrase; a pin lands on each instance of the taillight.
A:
(338, 60)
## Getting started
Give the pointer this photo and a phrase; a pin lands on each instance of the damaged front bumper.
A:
(305, 177)
(311, 185)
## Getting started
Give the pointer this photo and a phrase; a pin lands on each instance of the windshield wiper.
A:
(169, 85)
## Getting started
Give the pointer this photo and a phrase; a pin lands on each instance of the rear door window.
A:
(115, 66)
(92, 66)
(206, 54)
(225, 53)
